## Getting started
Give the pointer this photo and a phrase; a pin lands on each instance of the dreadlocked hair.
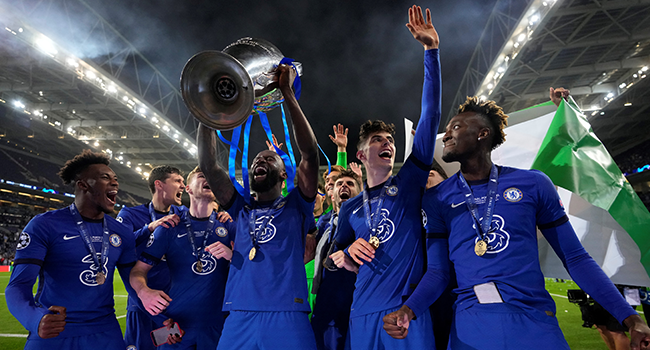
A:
(494, 114)
(70, 172)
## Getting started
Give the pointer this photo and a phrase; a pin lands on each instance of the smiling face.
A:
(461, 136)
(378, 151)
(345, 188)
(100, 186)
(198, 188)
(172, 189)
(266, 171)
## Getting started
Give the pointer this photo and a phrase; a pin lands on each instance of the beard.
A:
(271, 179)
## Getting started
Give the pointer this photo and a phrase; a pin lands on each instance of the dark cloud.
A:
(360, 61)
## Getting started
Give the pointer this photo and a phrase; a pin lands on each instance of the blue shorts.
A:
(502, 326)
(197, 338)
(367, 332)
(109, 340)
(139, 325)
(259, 330)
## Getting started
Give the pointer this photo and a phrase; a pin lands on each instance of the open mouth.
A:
(111, 196)
(179, 194)
(386, 154)
(206, 187)
(260, 173)
(344, 193)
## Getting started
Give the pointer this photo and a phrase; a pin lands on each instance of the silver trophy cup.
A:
(222, 88)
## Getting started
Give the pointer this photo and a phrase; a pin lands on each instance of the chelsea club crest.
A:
(115, 240)
(392, 191)
(222, 232)
(513, 194)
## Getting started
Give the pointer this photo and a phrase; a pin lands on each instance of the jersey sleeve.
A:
(585, 272)
(126, 218)
(435, 224)
(550, 211)
(30, 253)
(128, 256)
(20, 300)
(154, 253)
(435, 279)
(33, 242)
(344, 234)
(342, 159)
(431, 109)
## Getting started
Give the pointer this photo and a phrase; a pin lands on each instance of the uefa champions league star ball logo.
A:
(209, 264)
(424, 218)
(269, 230)
(498, 238)
(385, 227)
(88, 277)
(150, 241)
(23, 240)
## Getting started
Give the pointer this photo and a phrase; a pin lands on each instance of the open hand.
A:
(423, 31)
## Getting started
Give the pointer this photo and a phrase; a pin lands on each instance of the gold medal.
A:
(199, 266)
(480, 248)
(101, 278)
(251, 254)
(374, 242)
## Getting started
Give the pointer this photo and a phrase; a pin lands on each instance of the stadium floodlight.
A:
(46, 45)
(96, 143)
(112, 89)
(522, 37)
(90, 74)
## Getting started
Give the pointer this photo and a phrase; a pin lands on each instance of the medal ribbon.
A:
(253, 217)
(483, 227)
(152, 212)
(190, 233)
(81, 226)
(372, 225)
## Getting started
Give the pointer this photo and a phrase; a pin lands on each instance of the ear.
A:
(484, 133)
(187, 189)
(361, 155)
(82, 185)
(158, 184)
(283, 175)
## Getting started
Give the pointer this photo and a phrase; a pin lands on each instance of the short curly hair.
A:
(373, 126)
(73, 168)
(492, 112)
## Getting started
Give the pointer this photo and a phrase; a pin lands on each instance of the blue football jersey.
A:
(399, 261)
(197, 294)
(138, 219)
(275, 279)
(524, 200)
(67, 270)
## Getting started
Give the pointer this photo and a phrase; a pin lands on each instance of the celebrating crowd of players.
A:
(231, 275)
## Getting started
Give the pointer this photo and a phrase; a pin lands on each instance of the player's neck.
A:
(87, 209)
(269, 195)
(159, 204)
(476, 167)
(376, 176)
(200, 208)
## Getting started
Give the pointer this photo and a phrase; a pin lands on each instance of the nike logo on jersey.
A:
(454, 205)
(183, 235)
(67, 238)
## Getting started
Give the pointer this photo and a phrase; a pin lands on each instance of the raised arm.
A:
(424, 32)
(217, 177)
(305, 138)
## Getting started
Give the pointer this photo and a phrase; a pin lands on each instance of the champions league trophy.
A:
(222, 88)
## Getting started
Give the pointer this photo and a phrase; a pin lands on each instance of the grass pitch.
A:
(13, 335)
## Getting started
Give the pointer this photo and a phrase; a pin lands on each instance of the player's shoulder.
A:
(128, 211)
(52, 217)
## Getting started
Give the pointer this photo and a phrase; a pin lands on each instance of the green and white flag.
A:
(609, 218)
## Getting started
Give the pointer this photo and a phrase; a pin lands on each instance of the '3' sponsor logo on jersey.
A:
(269, 230)
(385, 227)
(88, 277)
(498, 237)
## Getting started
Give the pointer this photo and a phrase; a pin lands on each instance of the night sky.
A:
(360, 61)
